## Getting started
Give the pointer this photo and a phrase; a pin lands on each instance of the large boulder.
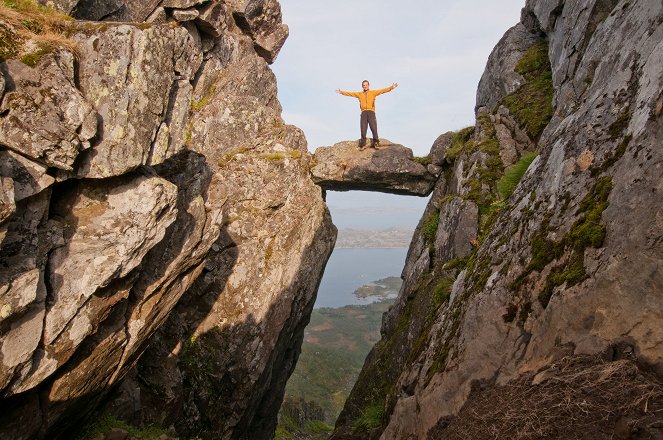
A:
(390, 168)
(139, 96)
(44, 116)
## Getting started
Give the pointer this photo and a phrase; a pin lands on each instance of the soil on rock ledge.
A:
(583, 398)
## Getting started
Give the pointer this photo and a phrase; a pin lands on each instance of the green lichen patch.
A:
(10, 43)
(230, 156)
(570, 273)
(486, 125)
(280, 155)
(456, 264)
(442, 353)
(442, 291)
(199, 105)
(482, 184)
(531, 104)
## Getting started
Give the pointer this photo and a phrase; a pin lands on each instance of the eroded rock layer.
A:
(518, 304)
(152, 192)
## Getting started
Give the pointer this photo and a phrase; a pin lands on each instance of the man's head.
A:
(364, 85)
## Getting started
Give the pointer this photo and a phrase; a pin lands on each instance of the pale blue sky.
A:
(436, 51)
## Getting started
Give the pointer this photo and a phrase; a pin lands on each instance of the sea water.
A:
(349, 269)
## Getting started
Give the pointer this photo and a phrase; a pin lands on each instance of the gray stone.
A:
(183, 15)
(457, 231)
(29, 177)
(45, 96)
(158, 16)
(438, 152)
(261, 19)
(390, 168)
(606, 128)
(7, 205)
(182, 4)
(133, 98)
(508, 150)
(133, 214)
(94, 10)
(213, 18)
(189, 215)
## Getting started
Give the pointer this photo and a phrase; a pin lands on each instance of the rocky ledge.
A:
(391, 168)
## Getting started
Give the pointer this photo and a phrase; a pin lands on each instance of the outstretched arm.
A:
(342, 92)
(386, 89)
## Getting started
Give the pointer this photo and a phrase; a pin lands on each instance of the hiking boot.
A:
(362, 144)
(375, 144)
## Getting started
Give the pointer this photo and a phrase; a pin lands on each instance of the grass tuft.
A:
(280, 155)
(25, 20)
(429, 228)
(512, 175)
(370, 418)
(460, 142)
(105, 424)
(423, 160)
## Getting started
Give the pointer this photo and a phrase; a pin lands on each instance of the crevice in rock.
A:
(555, 14)
(97, 11)
(243, 24)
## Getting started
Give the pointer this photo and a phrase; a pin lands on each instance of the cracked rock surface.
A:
(151, 196)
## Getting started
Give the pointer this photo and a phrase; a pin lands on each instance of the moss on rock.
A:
(531, 104)
(586, 232)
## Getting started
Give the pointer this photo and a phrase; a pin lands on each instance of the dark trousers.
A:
(368, 119)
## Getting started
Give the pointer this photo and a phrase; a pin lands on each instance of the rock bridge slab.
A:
(391, 168)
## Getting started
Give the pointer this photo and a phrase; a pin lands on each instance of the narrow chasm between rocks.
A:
(361, 282)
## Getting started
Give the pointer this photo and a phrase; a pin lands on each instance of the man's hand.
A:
(338, 91)
(394, 85)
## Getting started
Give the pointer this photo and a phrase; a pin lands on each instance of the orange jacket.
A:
(367, 98)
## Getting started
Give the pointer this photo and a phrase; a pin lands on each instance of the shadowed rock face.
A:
(157, 221)
(390, 169)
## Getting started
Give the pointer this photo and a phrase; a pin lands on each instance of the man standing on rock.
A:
(367, 104)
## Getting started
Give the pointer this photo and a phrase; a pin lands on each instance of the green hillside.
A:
(336, 343)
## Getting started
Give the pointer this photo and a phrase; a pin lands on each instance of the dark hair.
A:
(365, 81)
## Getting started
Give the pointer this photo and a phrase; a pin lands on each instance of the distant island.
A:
(382, 289)
(365, 238)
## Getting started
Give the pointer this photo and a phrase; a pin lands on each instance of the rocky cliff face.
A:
(160, 232)
(522, 310)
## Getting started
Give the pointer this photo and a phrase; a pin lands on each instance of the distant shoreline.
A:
(392, 238)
